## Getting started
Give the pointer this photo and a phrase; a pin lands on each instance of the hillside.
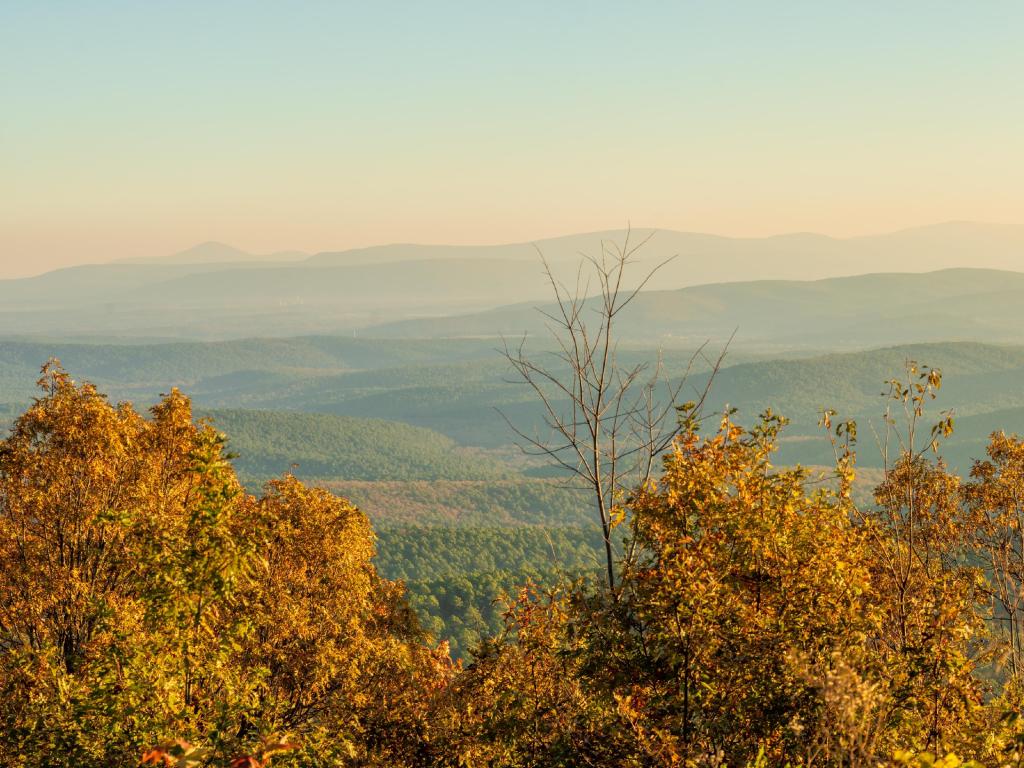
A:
(232, 368)
(867, 310)
(449, 385)
(329, 447)
(217, 301)
(983, 385)
(507, 503)
(455, 387)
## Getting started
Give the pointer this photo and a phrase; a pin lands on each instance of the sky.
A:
(133, 129)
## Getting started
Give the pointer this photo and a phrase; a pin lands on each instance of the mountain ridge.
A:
(353, 291)
(779, 308)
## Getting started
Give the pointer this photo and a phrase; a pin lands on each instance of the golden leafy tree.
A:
(346, 666)
(765, 619)
(748, 589)
(995, 500)
(115, 566)
(145, 597)
(525, 701)
(739, 626)
(932, 629)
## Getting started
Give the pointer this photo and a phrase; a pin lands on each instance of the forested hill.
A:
(978, 380)
(330, 447)
(837, 313)
(455, 388)
(244, 365)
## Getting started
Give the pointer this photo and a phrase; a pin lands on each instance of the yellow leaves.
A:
(266, 752)
(142, 592)
(741, 566)
(911, 759)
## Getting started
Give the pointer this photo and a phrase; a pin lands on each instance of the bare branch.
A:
(608, 423)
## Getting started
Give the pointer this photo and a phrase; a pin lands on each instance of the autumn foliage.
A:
(152, 611)
(766, 618)
(147, 599)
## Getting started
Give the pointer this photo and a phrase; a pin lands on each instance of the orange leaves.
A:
(157, 757)
(264, 755)
(180, 755)
(184, 755)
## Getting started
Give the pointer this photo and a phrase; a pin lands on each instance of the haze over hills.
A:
(215, 291)
(213, 252)
(861, 311)
(789, 256)
(318, 400)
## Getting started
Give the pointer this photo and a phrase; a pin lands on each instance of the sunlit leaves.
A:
(144, 597)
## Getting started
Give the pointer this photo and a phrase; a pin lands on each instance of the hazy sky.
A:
(140, 128)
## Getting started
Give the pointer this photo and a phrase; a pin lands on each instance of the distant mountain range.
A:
(213, 252)
(702, 258)
(217, 291)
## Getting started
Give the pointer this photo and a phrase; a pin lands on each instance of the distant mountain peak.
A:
(212, 250)
(209, 252)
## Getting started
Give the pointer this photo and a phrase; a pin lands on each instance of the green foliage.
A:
(420, 552)
(326, 447)
(457, 577)
(491, 503)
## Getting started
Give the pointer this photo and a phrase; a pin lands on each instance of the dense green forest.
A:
(330, 447)
(505, 503)
(456, 576)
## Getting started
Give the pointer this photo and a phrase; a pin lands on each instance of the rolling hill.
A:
(844, 312)
(344, 448)
(455, 387)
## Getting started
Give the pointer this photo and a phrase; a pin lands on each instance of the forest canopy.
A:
(154, 611)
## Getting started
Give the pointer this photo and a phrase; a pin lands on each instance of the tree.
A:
(995, 501)
(146, 598)
(524, 701)
(346, 666)
(608, 422)
(748, 588)
(118, 563)
(931, 599)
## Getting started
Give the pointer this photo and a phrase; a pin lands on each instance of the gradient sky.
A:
(141, 128)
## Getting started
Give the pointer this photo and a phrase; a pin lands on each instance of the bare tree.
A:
(607, 423)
